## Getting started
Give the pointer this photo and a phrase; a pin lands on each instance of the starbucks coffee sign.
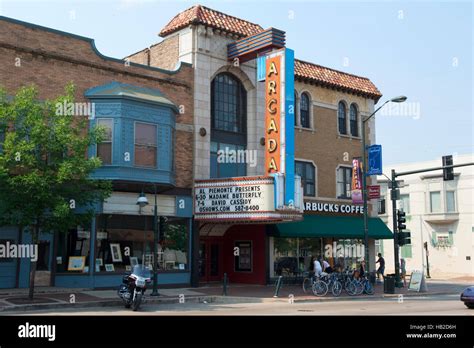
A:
(336, 208)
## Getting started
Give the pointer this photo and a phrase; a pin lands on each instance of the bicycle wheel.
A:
(336, 288)
(368, 288)
(306, 285)
(351, 289)
(320, 288)
(359, 287)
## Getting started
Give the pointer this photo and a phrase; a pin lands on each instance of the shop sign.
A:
(356, 181)
(373, 191)
(335, 208)
(280, 119)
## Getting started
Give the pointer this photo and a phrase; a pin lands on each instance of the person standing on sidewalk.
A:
(403, 271)
(381, 268)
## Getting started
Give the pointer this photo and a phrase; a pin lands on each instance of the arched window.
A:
(228, 126)
(341, 116)
(353, 120)
(304, 110)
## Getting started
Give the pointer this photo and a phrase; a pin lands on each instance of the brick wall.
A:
(50, 60)
(322, 144)
(162, 55)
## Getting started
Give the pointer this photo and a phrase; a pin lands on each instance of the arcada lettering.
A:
(272, 143)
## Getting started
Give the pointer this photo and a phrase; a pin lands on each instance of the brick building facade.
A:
(221, 105)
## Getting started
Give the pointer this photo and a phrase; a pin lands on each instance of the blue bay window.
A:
(139, 130)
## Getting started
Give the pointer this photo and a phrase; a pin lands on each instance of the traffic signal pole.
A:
(394, 197)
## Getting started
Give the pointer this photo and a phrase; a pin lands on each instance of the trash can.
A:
(389, 284)
(372, 278)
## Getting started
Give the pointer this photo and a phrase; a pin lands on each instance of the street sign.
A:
(375, 160)
(373, 191)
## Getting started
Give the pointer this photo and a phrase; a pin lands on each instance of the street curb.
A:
(204, 299)
(103, 303)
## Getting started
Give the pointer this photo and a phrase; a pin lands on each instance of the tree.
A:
(44, 168)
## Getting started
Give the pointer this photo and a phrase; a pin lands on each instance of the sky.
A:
(421, 49)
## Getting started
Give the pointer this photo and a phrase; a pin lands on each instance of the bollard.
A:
(278, 286)
(224, 285)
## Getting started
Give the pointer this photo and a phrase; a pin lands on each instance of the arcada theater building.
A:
(250, 151)
(274, 140)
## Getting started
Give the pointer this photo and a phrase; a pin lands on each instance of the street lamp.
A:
(142, 201)
(399, 99)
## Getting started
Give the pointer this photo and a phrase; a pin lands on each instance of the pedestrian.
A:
(403, 271)
(318, 269)
(381, 269)
(326, 266)
(362, 268)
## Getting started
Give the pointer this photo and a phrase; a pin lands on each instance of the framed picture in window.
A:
(76, 263)
(133, 261)
(109, 267)
(128, 268)
(116, 253)
(97, 268)
(99, 262)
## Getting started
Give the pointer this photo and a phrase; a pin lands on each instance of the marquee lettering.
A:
(272, 127)
(270, 106)
(272, 145)
(272, 70)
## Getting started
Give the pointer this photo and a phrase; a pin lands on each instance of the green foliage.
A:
(44, 168)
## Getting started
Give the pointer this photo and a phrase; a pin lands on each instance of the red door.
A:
(211, 260)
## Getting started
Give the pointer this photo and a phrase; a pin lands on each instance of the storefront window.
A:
(126, 240)
(73, 251)
(292, 256)
(123, 241)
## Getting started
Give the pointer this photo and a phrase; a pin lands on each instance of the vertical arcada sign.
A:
(274, 133)
(280, 119)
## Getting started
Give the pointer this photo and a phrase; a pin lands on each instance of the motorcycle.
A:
(133, 287)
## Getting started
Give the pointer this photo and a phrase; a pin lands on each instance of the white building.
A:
(439, 213)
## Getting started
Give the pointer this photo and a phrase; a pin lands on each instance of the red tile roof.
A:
(304, 71)
(335, 79)
(199, 14)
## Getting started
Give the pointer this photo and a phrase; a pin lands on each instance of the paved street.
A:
(423, 305)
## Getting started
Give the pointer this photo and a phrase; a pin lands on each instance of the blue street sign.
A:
(375, 160)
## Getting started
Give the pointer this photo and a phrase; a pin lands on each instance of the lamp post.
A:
(399, 99)
(142, 201)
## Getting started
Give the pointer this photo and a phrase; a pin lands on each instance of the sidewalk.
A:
(16, 300)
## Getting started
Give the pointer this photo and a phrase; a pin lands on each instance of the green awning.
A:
(334, 226)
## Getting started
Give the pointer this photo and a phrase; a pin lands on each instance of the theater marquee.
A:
(237, 199)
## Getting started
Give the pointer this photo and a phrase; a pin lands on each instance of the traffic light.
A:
(448, 173)
(404, 238)
(401, 220)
